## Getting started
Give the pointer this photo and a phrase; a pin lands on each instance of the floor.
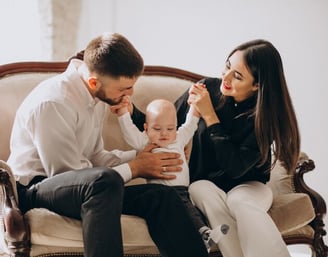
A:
(300, 255)
(299, 251)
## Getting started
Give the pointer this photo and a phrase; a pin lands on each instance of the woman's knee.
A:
(251, 195)
(196, 189)
(204, 190)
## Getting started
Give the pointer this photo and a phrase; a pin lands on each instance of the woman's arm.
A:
(182, 106)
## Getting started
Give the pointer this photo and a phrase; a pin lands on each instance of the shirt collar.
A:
(72, 72)
(245, 105)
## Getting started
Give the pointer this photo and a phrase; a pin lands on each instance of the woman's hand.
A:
(201, 100)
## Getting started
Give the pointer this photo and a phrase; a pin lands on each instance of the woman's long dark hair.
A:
(275, 119)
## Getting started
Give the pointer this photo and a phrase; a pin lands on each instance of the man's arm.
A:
(52, 128)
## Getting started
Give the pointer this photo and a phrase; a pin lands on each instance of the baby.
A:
(160, 128)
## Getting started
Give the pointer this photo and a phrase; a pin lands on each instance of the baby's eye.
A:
(170, 129)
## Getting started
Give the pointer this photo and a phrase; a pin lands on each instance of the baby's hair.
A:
(159, 106)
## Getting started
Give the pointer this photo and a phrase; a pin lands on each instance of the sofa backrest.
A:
(13, 89)
(18, 79)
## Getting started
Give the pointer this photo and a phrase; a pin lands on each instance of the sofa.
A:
(297, 209)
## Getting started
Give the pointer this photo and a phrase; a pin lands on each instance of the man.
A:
(59, 161)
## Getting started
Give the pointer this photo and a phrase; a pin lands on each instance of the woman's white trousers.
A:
(244, 208)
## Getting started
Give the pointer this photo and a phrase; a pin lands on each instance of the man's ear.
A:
(92, 83)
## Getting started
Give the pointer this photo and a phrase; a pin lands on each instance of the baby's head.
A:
(161, 122)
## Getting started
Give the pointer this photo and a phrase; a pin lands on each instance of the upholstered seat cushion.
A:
(289, 212)
(51, 229)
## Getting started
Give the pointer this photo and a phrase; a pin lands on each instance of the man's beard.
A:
(101, 96)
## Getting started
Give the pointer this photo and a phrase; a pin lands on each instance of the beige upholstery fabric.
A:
(306, 231)
(51, 229)
(13, 90)
(280, 182)
(291, 211)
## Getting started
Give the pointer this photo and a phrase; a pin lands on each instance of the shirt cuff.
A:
(192, 117)
(128, 155)
(125, 171)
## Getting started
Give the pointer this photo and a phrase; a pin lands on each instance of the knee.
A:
(201, 190)
(235, 201)
(196, 187)
(107, 180)
(250, 197)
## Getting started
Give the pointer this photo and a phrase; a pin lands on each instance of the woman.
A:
(247, 117)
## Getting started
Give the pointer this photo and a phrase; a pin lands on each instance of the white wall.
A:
(197, 35)
(20, 31)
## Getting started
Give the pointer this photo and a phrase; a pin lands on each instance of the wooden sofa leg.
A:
(17, 234)
(319, 248)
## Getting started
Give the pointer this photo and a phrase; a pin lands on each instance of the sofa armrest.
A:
(304, 166)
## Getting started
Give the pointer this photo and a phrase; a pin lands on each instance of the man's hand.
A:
(153, 165)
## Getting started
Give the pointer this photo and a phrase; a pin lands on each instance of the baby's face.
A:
(162, 129)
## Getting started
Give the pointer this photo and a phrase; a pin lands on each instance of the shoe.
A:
(212, 237)
(209, 243)
(16, 229)
(6, 169)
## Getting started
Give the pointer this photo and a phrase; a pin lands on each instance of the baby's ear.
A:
(145, 127)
